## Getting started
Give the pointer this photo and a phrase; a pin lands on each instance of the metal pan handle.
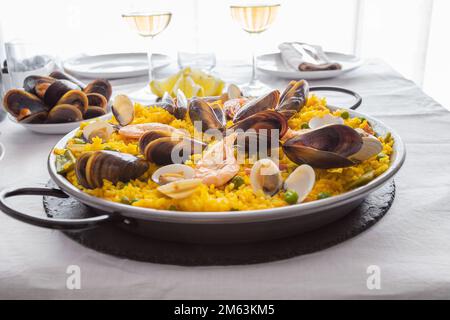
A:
(341, 90)
(45, 222)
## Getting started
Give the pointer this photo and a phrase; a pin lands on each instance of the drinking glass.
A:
(254, 19)
(204, 61)
(148, 25)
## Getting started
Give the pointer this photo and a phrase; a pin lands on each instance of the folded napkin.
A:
(305, 57)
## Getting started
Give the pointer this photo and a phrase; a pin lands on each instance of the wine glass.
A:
(254, 19)
(148, 25)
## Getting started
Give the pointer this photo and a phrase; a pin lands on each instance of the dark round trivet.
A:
(115, 241)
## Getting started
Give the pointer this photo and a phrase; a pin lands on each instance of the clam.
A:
(234, 92)
(53, 93)
(94, 167)
(64, 76)
(123, 109)
(172, 173)
(268, 120)
(100, 129)
(265, 102)
(302, 181)
(164, 148)
(293, 98)
(199, 110)
(100, 86)
(266, 176)
(64, 113)
(371, 147)
(77, 98)
(180, 189)
(22, 105)
(181, 105)
(97, 100)
(326, 147)
(327, 119)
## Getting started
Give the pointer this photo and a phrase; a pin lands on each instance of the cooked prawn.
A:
(135, 131)
(218, 165)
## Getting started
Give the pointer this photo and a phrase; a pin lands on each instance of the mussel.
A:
(267, 120)
(24, 106)
(199, 110)
(55, 91)
(94, 167)
(100, 86)
(177, 107)
(30, 82)
(64, 76)
(326, 147)
(265, 102)
(64, 113)
(293, 98)
(163, 147)
(76, 98)
(93, 112)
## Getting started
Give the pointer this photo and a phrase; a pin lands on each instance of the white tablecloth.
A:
(410, 245)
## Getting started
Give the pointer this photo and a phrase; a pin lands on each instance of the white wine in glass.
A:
(254, 19)
(148, 25)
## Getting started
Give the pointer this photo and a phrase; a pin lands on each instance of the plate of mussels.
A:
(57, 103)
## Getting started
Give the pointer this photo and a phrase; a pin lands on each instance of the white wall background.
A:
(411, 35)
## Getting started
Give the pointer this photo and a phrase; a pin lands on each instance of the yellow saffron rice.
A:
(142, 192)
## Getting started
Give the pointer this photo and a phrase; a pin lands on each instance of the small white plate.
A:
(56, 128)
(272, 64)
(114, 66)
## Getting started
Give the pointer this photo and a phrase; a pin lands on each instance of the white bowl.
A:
(55, 128)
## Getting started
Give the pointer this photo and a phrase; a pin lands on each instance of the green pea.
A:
(305, 126)
(323, 195)
(345, 115)
(125, 200)
(237, 181)
(291, 197)
(133, 201)
(78, 141)
(362, 119)
(387, 137)
(173, 208)
(381, 155)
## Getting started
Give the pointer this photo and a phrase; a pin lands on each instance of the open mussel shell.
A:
(94, 112)
(326, 147)
(64, 76)
(22, 104)
(265, 102)
(163, 148)
(76, 98)
(100, 86)
(39, 117)
(266, 176)
(53, 93)
(92, 168)
(293, 98)
(30, 82)
(64, 113)
(267, 121)
(123, 110)
(200, 111)
(97, 100)
(172, 173)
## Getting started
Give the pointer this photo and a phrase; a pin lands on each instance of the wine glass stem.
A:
(149, 58)
(253, 44)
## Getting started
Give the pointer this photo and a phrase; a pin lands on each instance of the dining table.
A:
(409, 248)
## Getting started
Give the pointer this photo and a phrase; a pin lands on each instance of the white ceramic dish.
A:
(55, 128)
(272, 64)
(114, 66)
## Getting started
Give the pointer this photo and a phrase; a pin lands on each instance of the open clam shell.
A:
(180, 189)
(266, 176)
(302, 181)
(172, 173)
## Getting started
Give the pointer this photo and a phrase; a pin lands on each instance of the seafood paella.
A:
(224, 153)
